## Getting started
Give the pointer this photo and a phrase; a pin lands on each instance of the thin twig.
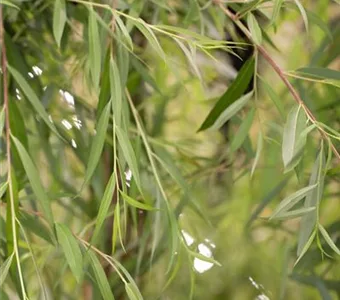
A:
(279, 72)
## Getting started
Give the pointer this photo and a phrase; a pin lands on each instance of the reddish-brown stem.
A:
(278, 71)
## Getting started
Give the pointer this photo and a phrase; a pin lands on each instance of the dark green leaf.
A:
(234, 92)
(319, 73)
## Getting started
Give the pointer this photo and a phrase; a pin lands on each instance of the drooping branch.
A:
(278, 71)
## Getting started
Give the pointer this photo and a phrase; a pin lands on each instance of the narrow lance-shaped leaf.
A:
(258, 153)
(8, 3)
(59, 19)
(129, 155)
(308, 221)
(293, 214)
(254, 29)
(319, 73)
(305, 247)
(276, 10)
(292, 199)
(231, 110)
(116, 92)
(33, 98)
(328, 239)
(101, 279)
(94, 48)
(242, 132)
(34, 179)
(234, 92)
(97, 143)
(293, 141)
(5, 266)
(130, 291)
(71, 250)
(3, 188)
(104, 206)
(136, 203)
(303, 13)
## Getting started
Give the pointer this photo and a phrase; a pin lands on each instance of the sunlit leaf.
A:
(234, 92)
(101, 279)
(254, 29)
(231, 110)
(33, 98)
(242, 132)
(3, 188)
(303, 13)
(97, 143)
(328, 239)
(293, 140)
(259, 147)
(34, 179)
(104, 206)
(71, 250)
(292, 199)
(59, 19)
(94, 48)
(308, 221)
(4, 268)
(136, 203)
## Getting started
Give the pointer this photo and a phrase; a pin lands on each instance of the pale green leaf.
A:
(258, 153)
(305, 247)
(116, 92)
(97, 143)
(136, 203)
(129, 155)
(3, 188)
(274, 97)
(292, 199)
(71, 250)
(231, 110)
(254, 29)
(308, 221)
(4, 268)
(293, 214)
(2, 120)
(32, 98)
(205, 258)
(303, 13)
(130, 291)
(124, 31)
(276, 10)
(100, 276)
(328, 239)
(293, 140)
(94, 48)
(59, 20)
(34, 179)
(104, 206)
(242, 132)
(150, 36)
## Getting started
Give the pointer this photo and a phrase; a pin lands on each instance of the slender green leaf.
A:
(144, 28)
(303, 13)
(328, 239)
(234, 92)
(308, 221)
(8, 3)
(293, 140)
(97, 143)
(4, 268)
(34, 179)
(205, 258)
(71, 250)
(116, 92)
(104, 206)
(3, 188)
(292, 199)
(101, 279)
(2, 120)
(320, 73)
(254, 29)
(130, 291)
(105, 84)
(231, 110)
(292, 214)
(124, 31)
(94, 48)
(242, 132)
(33, 98)
(306, 246)
(136, 203)
(258, 153)
(276, 10)
(129, 155)
(59, 19)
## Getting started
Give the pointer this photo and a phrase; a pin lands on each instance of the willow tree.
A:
(145, 142)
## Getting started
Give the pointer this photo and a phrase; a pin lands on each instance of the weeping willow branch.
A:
(279, 72)
(8, 153)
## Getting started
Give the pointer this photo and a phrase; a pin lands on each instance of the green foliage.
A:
(107, 189)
